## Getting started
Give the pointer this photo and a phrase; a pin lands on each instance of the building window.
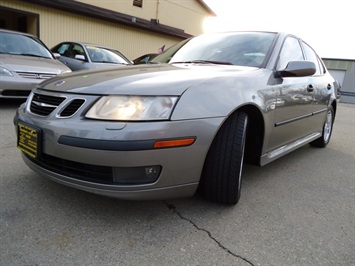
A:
(138, 3)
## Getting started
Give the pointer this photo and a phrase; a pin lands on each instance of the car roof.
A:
(277, 33)
(18, 32)
(89, 44)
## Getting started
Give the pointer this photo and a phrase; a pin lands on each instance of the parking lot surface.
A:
(298, 210)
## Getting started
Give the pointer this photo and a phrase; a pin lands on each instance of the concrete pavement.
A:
(298, 210)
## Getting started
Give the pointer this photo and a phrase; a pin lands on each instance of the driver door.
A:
(294, 100)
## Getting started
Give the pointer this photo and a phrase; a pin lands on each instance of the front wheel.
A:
(221, 177)
(327, 130)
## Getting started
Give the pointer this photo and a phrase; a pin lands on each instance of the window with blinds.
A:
(138, 3)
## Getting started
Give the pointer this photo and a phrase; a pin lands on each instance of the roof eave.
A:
(205, 6)
(111, 16)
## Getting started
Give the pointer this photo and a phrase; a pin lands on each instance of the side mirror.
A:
(56, 55)
(80, 57)
(298, 69)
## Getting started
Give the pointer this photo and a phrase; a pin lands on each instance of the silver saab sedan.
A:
(188, 120)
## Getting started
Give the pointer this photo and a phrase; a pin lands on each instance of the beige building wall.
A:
(57, 26)
(187, 15)
(183, 14)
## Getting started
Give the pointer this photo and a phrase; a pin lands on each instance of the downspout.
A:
(157, 11)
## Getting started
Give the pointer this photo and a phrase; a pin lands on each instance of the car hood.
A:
(21, 63)
(164, 79)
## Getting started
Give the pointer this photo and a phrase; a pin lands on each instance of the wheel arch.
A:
(255, 134)
(334, 104)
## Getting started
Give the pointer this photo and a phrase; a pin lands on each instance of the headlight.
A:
(5, 72)
(66, 71)
(132, 108)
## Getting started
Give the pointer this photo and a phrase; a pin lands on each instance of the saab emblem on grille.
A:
(59, 83)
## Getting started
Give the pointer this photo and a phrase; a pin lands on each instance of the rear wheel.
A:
(221, 177)
(327, 130)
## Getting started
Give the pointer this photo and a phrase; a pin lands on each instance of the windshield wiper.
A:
(34, 55)
(203, 62)
(109, 62)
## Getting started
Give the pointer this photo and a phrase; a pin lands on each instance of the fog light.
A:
(136, 175)
(152, 171)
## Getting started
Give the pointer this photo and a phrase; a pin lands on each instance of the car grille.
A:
(44, 104)
(81, 171)
(71, 108)
(30, 75)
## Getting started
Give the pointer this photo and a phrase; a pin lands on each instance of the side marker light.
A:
(171, 143)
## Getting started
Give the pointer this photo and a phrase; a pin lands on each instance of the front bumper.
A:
(180, 168)
(15, 87)
(126, 193)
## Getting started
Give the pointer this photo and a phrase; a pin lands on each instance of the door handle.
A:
(310, 88)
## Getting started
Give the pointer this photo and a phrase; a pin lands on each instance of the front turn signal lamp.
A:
(171, 143)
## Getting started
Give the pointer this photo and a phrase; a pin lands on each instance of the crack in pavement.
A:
(173, 208)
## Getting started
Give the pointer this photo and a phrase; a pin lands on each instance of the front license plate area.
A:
(29, 139)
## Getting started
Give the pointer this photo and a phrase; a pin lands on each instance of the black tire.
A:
(221, 177)
(323, 140)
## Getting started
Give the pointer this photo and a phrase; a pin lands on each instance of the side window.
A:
(78, 50)
(62, 49)
(291, 51)
(311, 56)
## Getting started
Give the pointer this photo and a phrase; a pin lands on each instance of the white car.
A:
(25, 61)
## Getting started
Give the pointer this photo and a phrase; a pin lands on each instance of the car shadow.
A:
(259, 183)
(85, 203)
(11, 103)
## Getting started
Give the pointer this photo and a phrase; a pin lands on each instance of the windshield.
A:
(242, 49)
(22, 45)
(104, 55)
(166, 56)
